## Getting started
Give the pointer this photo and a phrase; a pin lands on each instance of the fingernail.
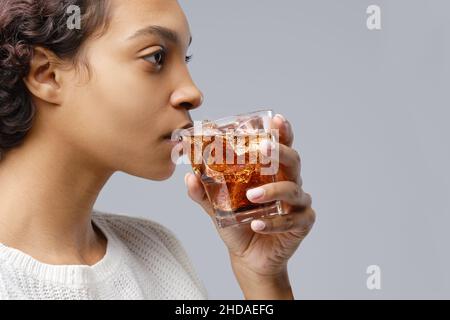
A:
(265, 146)
(281, 117)
(185, 178)
(255, 193)
(286, 123)
(258, 225)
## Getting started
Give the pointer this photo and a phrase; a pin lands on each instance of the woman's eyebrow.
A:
(160, 31)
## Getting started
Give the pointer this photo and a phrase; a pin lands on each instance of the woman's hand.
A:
(259, 251)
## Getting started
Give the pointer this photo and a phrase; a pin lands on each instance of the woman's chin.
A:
(161, 177)
(155, 165)
(156, 170)
(162, 172)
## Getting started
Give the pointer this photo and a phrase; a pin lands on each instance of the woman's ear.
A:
(44, 77)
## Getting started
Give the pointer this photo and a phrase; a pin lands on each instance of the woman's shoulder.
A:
(137, 229)
(145, 238)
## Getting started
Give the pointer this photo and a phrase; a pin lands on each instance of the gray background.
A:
(370, 111)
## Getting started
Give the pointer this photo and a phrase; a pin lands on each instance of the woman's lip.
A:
(172, 141)
(186, 126)
(169, 137)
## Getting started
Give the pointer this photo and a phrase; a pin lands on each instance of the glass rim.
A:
(229, 119)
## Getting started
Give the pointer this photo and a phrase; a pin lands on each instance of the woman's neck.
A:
(47, 193)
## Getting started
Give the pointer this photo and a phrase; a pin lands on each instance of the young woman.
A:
(77, 105)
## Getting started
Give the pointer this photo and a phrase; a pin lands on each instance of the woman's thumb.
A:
(196, 192)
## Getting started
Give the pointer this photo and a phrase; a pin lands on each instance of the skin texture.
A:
(113, 117)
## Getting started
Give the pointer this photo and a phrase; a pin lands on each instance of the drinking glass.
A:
(226, 154)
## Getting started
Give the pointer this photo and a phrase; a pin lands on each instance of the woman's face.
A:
(139, 90)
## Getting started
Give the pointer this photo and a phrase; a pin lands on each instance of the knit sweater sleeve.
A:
(174, 245)
(162, 234)
(3, 293)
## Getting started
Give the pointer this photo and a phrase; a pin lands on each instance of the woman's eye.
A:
(156, 58)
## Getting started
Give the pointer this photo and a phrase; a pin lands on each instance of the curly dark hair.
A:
(24, 25)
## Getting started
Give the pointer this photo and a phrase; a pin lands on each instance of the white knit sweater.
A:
(144, 260)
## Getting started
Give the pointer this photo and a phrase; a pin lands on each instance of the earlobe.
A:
(43, 79)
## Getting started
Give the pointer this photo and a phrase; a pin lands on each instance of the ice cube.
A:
(248, 143)
(216, 176)
(210, 129)
(248, 126)
(239, 145)
(213, 151)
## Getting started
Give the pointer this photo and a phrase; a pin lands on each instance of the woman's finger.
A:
(276, 154)
(299, 223)
(287, 191)
(196, 192)
(286, 135)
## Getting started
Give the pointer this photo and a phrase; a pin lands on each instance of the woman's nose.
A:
(188, 97)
